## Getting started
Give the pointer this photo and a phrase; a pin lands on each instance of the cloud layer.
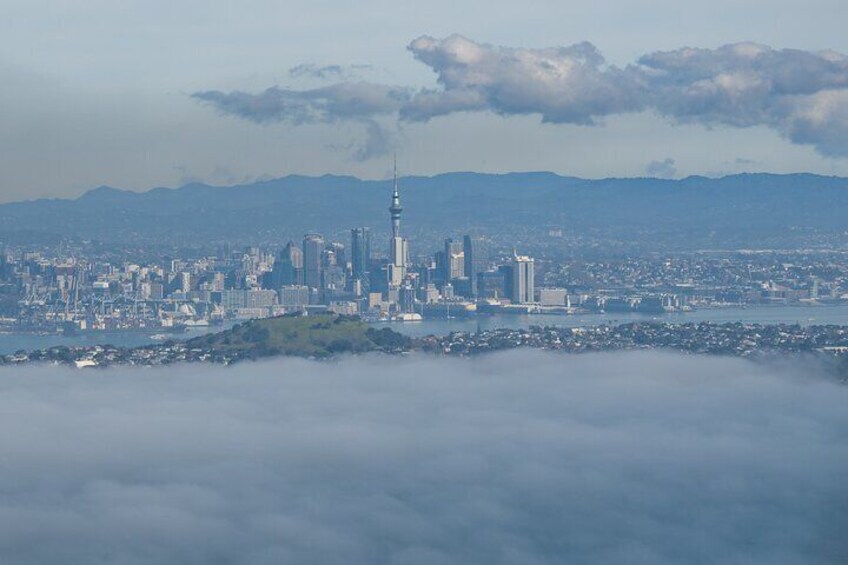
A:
(637, 458)
(564, 85)
(341, 101)
(311, 70)
(802, 95)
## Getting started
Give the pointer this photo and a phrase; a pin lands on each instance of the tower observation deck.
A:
(395, 209)
(398, 251)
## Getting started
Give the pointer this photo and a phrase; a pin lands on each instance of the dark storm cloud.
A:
(802, 95)
(524, 457)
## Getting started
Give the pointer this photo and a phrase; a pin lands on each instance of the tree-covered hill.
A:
(303, 336)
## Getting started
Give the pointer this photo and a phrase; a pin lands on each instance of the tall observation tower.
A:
(398, 251)
(395, 209)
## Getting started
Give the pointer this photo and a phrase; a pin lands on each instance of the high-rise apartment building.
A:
(523, 284)
(454, 260)
(339, 254)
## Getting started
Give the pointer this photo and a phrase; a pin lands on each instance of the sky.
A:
(638, 458)
(137, 94)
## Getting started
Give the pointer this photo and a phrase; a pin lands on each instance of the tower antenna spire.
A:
(395, 182)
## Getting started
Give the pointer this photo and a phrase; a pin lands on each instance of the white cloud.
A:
(354, 100)
(564, 84)
(524, 457)
(311, 70)
(802, 95)
(820, 119)
(357, 101)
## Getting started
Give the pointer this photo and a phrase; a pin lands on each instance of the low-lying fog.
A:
(523, 457)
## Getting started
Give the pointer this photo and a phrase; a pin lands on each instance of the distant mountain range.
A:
(747, 210)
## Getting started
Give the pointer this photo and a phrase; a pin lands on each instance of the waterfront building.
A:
(523, 272)
(454, 260)
(462, 287)
(553, 297)
(506, 273)
(491, 285)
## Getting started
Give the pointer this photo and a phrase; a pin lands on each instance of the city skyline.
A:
(474, 274)
(71, 295)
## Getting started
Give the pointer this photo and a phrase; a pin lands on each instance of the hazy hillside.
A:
(740, 210)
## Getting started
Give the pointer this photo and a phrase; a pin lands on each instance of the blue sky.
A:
(105, 92)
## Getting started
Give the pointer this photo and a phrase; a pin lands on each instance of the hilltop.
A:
(316, 336)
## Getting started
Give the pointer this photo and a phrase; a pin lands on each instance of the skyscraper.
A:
(398, 251)
(334, 267)
(454, 260)
(360, 252)
(441, 270)
(288, 268)
(339, 254)
(476, 250)
(313, 249)
(493, 284)
(523, 284)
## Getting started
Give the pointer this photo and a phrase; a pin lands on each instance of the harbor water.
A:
(803, 315)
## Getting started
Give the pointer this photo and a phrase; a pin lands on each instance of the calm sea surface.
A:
(804, 315)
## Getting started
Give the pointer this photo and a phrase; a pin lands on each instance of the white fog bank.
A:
(523, 457)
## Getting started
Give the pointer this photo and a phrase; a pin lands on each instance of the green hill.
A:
(303, 336)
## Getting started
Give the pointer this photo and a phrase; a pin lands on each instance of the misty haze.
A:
(522, 457)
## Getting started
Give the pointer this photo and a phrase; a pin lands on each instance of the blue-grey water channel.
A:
(804, 315)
